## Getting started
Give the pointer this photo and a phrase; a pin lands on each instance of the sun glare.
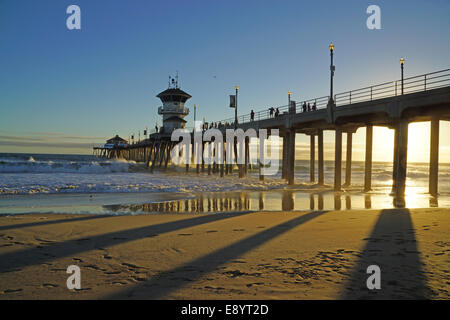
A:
(419, 142)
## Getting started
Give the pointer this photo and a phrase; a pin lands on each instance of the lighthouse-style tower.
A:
(173, 110)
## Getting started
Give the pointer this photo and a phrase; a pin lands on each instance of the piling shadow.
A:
(165, 282)
(43, 223)
(392, 246)
(49, 251)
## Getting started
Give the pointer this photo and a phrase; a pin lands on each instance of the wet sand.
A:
(316, 254)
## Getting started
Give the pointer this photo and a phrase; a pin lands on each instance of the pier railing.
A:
(389, 89)
(424, 82)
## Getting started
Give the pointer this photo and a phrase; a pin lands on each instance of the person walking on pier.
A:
(271, 111)
(277, 113)
(304, 106)
(314, 107)
(252, 115)
(309, 107)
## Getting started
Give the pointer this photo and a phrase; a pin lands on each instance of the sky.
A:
(63, 91)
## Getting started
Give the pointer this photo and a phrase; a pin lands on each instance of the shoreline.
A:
(297, 198)
(247, 255)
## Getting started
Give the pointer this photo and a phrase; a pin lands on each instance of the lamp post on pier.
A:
(332, 68)
(235, 108)
(402, 62)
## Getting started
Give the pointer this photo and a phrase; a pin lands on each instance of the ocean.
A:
(32, 181)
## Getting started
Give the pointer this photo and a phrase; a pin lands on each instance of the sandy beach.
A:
(247, 255)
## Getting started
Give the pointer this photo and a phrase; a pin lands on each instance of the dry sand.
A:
(263, 255)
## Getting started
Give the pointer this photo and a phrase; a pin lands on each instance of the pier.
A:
(393, 104)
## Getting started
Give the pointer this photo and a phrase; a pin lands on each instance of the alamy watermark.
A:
(373, 22)
(374, 280)
(74, 280)
(210, 147)
(73, 22)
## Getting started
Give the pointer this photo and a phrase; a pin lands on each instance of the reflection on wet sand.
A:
(280, 200)
(201, 204)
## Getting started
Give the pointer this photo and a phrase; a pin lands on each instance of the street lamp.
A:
(402, 62)
(235, 109)
(332, 68)
(289, 101)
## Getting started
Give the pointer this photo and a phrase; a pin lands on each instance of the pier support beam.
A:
(291, 157)
(239, 155)
(210, 157)
(395, 162)
(348, 159)
(401, 131)
(320, 156)
(434, 157)
(368, 164)
(284, 155)
(169, 147)
(222, 160)
(203, 157)
(156, 155)
(338, 160)
(246, 154)
(312, 158)
(261, 159)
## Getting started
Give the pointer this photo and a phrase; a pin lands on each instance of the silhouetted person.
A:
(309, 107)
(314, 107)
(156, 128)
(252, 116)
(277, 112)
(304, 107)
(271, 110)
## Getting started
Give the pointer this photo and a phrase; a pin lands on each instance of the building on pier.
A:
(173, 110)
(115, 142)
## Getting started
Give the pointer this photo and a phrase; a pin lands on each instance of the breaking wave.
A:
(33, 166)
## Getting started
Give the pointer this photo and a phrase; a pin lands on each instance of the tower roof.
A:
(174, 92)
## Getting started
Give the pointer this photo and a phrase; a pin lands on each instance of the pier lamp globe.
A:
(331, 47)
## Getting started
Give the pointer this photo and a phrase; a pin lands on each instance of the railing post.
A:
(395, 88)
(350, 97)
(371, 93)
(425, 83)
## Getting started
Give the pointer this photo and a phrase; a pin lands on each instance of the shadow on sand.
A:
(392, 246)
(55, 250)
(48, 222)
(166, 282)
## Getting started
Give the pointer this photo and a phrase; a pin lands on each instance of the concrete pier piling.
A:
(368, 159)
(291, 157)
(312, 157)
(434, 157)
(401, 161)
(320, 157)
(348, 159)
(338, 160)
